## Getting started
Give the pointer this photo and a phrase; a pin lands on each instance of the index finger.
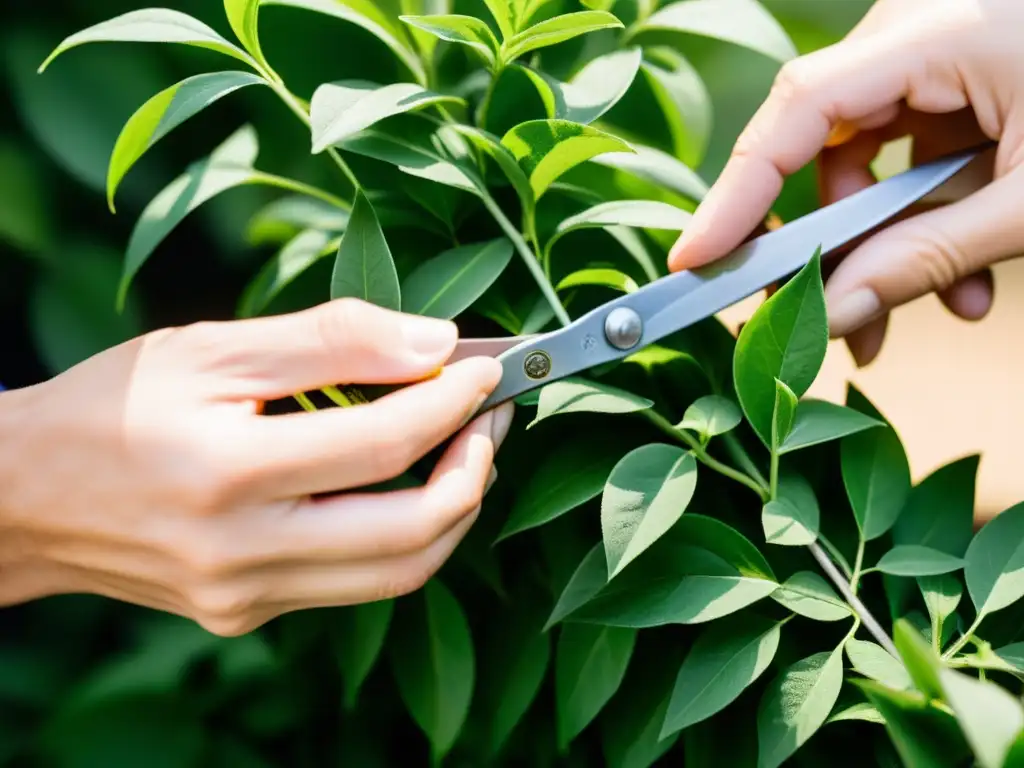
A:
(856, 80)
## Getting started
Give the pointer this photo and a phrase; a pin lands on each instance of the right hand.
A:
(950, 73)
(149, 473)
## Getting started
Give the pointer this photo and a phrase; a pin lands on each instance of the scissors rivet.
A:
(623, 328)
(537, 365)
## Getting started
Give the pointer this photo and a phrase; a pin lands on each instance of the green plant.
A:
(611, 606)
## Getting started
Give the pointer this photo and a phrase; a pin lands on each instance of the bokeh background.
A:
(950, 387)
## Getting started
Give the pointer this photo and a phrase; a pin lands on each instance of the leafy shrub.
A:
(650, 579)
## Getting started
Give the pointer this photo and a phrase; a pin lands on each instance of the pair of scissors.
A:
(669, 304)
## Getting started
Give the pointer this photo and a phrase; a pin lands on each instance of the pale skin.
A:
(149, 473)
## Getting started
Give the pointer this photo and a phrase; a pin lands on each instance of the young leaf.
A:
(873, 661)
(876, 474)
(786, 340)
(367, 16)
(589, 578)
(809, 595)
(991, 718)
(994, 568)
(590, 663)
(726, 658)
(941, 595)
(286, 217)
(364, 268)
(684, 100)
(228, 166)
(862, 711)
(571, 475)
(644, 214)
(647, 492)
(1009, 658)
(358, 638)
(434, 664)
(711, 416)
(606, 278)
(939, 512)
(342, 109)
(151, 25)
(593, 91)
(910, 560)
(796, 704)
(546, 149)
(657, 167)
(782, 414)
(243, 15)
(447, 285)
(501, 10)
(505, 160)
(741, 22)
(464, 30)
(573, 395)
(166, 111)
(557, 30)
(920, 660)
(817, 421)
(298, 255)
(793, 517)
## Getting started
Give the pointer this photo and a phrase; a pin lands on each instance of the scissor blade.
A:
(778, 254)
(490, 347)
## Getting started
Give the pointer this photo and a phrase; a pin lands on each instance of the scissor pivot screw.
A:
(623, 328)
(537, 365)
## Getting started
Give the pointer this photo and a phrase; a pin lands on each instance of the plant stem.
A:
(858, 563)
(773, 476)
(701, 453)
(964, 639)
(869, 621)
(292, 185)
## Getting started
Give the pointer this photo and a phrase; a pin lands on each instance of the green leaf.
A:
(809, 595)
(873, 661)
(286, 217)
(416, 159)
(741, 22)
(464, 30)
(786, 339)
(657, 167)
(876, 474)
(606, 278)
(447, 285)
(796, 704)
(920, 660)
(644, 214)
(646, 494)
(991, 718)
(793, 517)
(298, 255)
(501, 10)
(344, 108)
(505, 160)
(590, 663)
(434, 664)
(782, 414)
(367, 16)
(575, 395)
(243, 15)
(817, 421)
(939, 512)
(358, 638)
(151, 25)
(589, 578)
(941, 595)
(861, 711)
(711, 416)
(725, 659)
(593, 91)
(684, 101)
(546, 149)
(994, 568)
(557, 30)
(910, 560)
(631, 724)
(364, 268)
(924, 736)
(166, 111)
(571, 475)
(228, 166)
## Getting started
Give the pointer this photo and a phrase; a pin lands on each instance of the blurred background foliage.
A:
(60, 256)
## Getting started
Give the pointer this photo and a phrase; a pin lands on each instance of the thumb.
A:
(931, 252)
(346, 341)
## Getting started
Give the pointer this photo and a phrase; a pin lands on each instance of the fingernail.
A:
(500, 424)
(850, 312)
(428, 336)
(491, 478)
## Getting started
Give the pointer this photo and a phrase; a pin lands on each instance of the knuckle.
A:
(411, 577)
(795, 81)
(459, 501)
(223, 608)
(344, 325)
(942, 260)
(390, 453)
(207, 560)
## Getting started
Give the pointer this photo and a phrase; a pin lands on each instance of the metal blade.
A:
(491, 347)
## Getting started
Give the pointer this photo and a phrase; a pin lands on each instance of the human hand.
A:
(949, 73)
(150, 474)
